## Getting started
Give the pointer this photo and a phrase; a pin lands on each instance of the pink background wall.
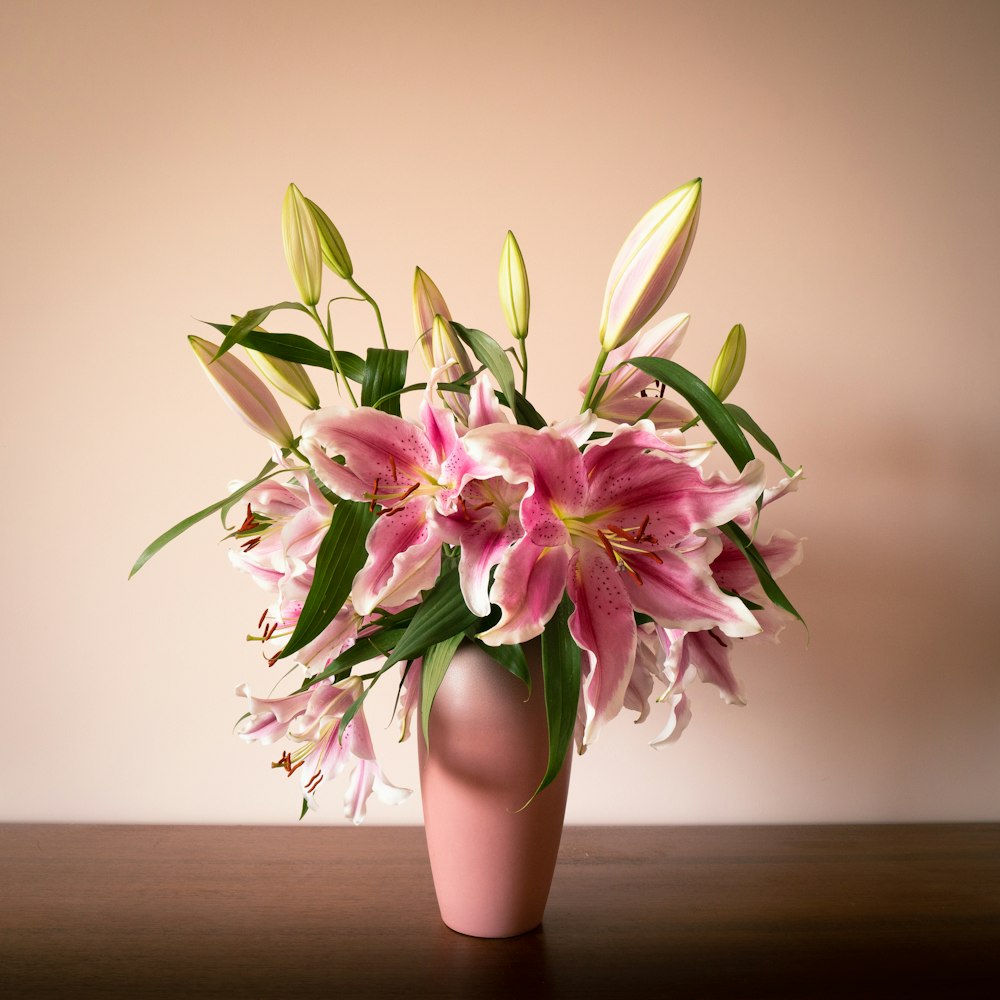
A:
(850, 221)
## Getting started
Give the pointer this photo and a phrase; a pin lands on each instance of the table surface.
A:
(803, 911)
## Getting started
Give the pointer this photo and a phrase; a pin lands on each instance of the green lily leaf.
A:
(442, 614)
(753, 429)
(706, 404)
(238, 332)
(293, 347)
(385, 376)
(561, 681)
(182, 526)
(436, 662)
(742, 541)
(511, 658)
(341, 554)
(491, 354)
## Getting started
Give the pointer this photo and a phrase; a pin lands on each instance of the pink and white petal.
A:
(677, 499)
(545, 459)
(680, 593)
(603, 626)
(625, 441)
(399, 546)
(782, 552)
(438, 419)
(375, 445)
(331, 642)
(663, 412)
(659, 341)
(284, 709)
(484, 408)
(483, 546)
(367, 777)
(772, 619)
(577, 428)
(677, 720)
(409, 696)
(528, 587)
(709, 652)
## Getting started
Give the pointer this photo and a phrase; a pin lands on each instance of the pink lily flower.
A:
(312, 719)
(409, 470)
(279, 623)
(287, 521)
(625, 400)
(611, 527)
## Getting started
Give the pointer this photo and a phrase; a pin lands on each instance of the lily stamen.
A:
(250, 543)
(313, 781)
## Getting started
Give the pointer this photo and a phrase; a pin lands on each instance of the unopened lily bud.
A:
(244, 393)
(302, 246)
(515, 298)
(288, 376)
(428, 302)
(728, 365)
(446, 346)
(331, 243)
(649, 264)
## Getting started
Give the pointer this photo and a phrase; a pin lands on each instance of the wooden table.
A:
(337, 912)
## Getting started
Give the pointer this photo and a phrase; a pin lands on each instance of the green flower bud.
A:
(515, 298)
(302, 246)
(288, 376)
(335, 254)
(728, 365)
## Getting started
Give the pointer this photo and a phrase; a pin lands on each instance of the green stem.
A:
(374, 305)
(601, 358)
(328, 337)
(524, 368)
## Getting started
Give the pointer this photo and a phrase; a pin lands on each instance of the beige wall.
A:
(850, 221)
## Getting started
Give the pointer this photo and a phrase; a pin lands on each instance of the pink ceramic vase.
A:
(492, 861)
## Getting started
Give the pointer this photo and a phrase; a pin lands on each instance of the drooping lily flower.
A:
(406, 470)
(244, 393)
(312, 719)
(279, 623)
(649, 264)
(281, 534)
(628, 396)
(612, 527)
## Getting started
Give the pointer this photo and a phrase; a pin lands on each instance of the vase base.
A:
(492, 933)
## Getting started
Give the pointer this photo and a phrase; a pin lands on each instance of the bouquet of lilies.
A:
(390, 539)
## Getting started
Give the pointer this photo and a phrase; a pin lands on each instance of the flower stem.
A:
(374, 305)
(601, 358)
(335, 361)
(524, 368)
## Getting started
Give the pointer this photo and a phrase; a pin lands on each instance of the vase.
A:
(492, 860)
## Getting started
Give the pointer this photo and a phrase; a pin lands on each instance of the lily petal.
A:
(528, 586)
(603, 626)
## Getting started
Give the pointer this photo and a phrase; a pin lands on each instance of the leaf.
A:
(385, 376)
(293, 347)
(753, 429)
(437, 659)
(182, 526)
(239, 330)
(442, 615)
(305, 809)
(561, 681)
(740, 539)
(706, 404)
(341, 554)
(511, 658)
(491, 354)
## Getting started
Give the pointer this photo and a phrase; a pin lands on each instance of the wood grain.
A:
(813, 911)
